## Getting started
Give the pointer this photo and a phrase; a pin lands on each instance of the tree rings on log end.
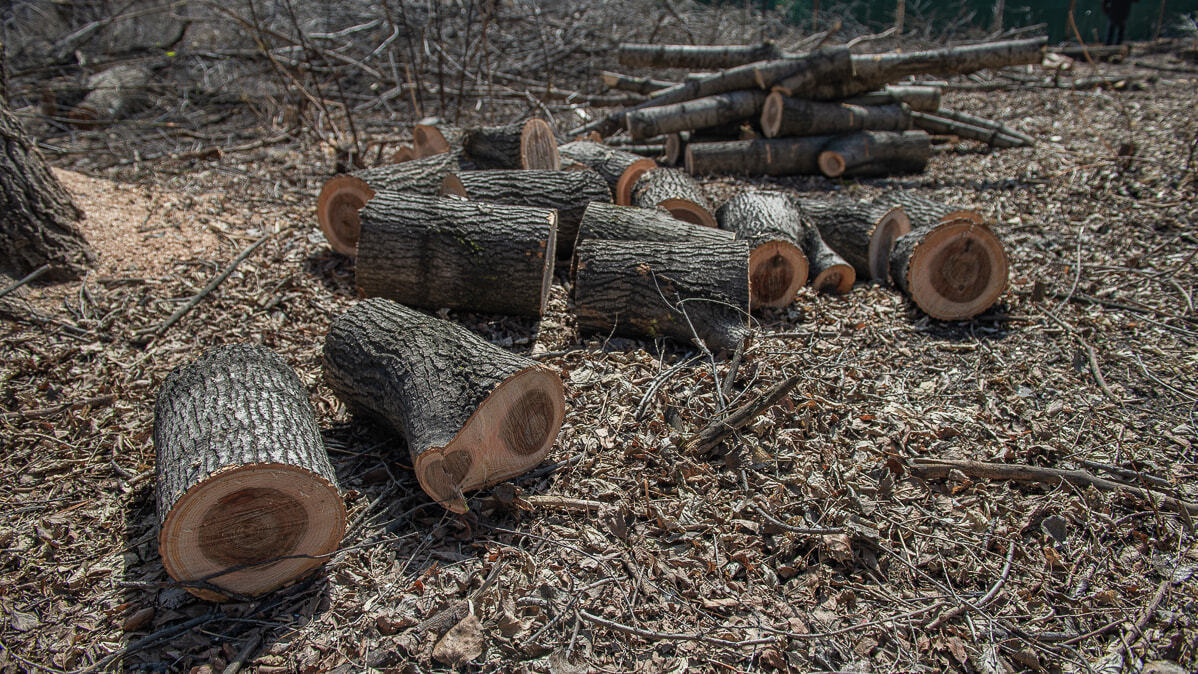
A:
(629, 177)
(510, 433)
(538, 147)
(404, 153)
(777, 269)
(891, 226)
(244, 517)
(771, 114)
(427, 140)
(957, 271)
(837, 279)
(337, 212)
(832, 164)
(688, 211)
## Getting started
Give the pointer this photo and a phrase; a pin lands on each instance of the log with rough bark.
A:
(632, 223)
(923, 212)
(762, 157)
(974, 128)
(862, 233)
(678, 289)
(701, 113)
(917, 97)
(788, 116)
(567, 192)
(829, 272)
(472, 414)
(674, 150)
(343, 196)
(37, 217)
(523, 145)
(637, 85)
(674, 191)
(439, 252)
(247, 498)
(772, 225)
(952, 271)
(112, 94)
(696, 57)
(874, 153)
(620, 169)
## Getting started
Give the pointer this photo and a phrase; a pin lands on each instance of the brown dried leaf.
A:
(462, 643)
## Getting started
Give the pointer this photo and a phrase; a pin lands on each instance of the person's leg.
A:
(1110, 32)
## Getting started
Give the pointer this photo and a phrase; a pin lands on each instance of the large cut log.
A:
(762, 157)
(991, 133)
(917, 97)
(630, 223)
(247, 499)
(876, 153)
(37, 217)
(620, 169)
(700, 113)
(113, 94)
(472, 413)
(343, 196)
(696, 57)
(439, 252)
(786, 116)
(676, 192)
(829, 272)
(523, 145)
(637, 85)
(679, 289)
(953, 270)
(772, 226)
(862, 233)
(567, 192)
(923, 212)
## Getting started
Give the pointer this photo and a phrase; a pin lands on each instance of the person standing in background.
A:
(1116, 12)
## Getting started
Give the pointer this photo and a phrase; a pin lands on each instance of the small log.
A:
(404, 153)
(772, 157)
(653, 289)
(247, 498)
(439, 252)
(862, 233)
(343, 196)
(112, 94)
(696, 57)
(620, 169)
(917, 97)
(567, 192)
(922, 212)
(787, 116)
(772, 226)
(433, 139)
(638, 85)
(472, 414)
(872, 153)
(523, 145)
(831, 65)
(676, 192)
(828, 271)
(944, 126)
(651, 150)
(631, 223)
(675, 144)
(952, 271)
(700, 113)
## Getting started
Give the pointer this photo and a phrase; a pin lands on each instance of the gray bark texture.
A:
(829, 272)
(917, 97)
(992, 135)
(696, 57)
(787, 116)
(922, 212)
(606, 161)
(663, 184)
(760, 217)
(762, 157)
(849, 227)
(879, 153)
(631, 223)
(438, 252)
(700, 113)
(420, 176)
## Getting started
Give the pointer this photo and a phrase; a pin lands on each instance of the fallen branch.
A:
(715, 432)
(29, 278)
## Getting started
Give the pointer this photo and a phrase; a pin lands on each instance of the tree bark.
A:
(917, 97)
(876, 153)
(676, 192)
(697, 57)
(637, 85)
(439, 252)
(523, 145)
(630, 223)
(786, 116)
(343, 196)
(675, 145)
(772, 226)
(567, 192)
(472, 414)
(923, 212)
(973, 128)
(700, 113)
(829, 272)
(835, 64)
(772, 157)
(243, 477)
(862, 233)
(620, 169)
(952, 271)
(655, 290)
(113, 94)
(37, 217)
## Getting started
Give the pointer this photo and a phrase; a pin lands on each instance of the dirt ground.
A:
(805, 543)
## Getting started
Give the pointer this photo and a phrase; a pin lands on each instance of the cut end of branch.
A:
(688, 211)
(893, 224)
(957, 271)
(777, 269)
(629, 177)
(832, 164)
(427, 140)
(452, 186)
(538, 147)
(771, 114)
(337, 212)
(404, 153)
(837, 279)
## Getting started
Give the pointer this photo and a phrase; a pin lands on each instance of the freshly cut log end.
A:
(952, 271)
(337, 212)
(837, 279)
(777, 269)
(830, 272)
(428, 140)
(472, 413)
(862, 233)
(832, 164)
(773, 225)
(888, 229)
(404, 153)
(676, 192)
(629, 178)
(538, 147)
(247, 499)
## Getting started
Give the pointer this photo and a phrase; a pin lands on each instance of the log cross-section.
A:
(620, 169)
(772, 225)
(472, 413)
(952, 270)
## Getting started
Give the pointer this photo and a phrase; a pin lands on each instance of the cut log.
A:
(676, 192)
(695, 57)
(567, 192)
(343, 196)
(973, 128)
(431, 139)
(952, 271)
(700, 113)
(923, 212)
(472, 413)
(829, 272)
(112, 94)
(247, 499)
(404, 153)
(675, 145)
(917, 97)
(439, 252)
(787, 116)
(653, 151)
(772, 225)
(638, 85)
(523, 145)
(772, 157)
(652, 289)
(876, 153)
(37, 217)
(630, 223)
(620, 169)
(862, 233)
